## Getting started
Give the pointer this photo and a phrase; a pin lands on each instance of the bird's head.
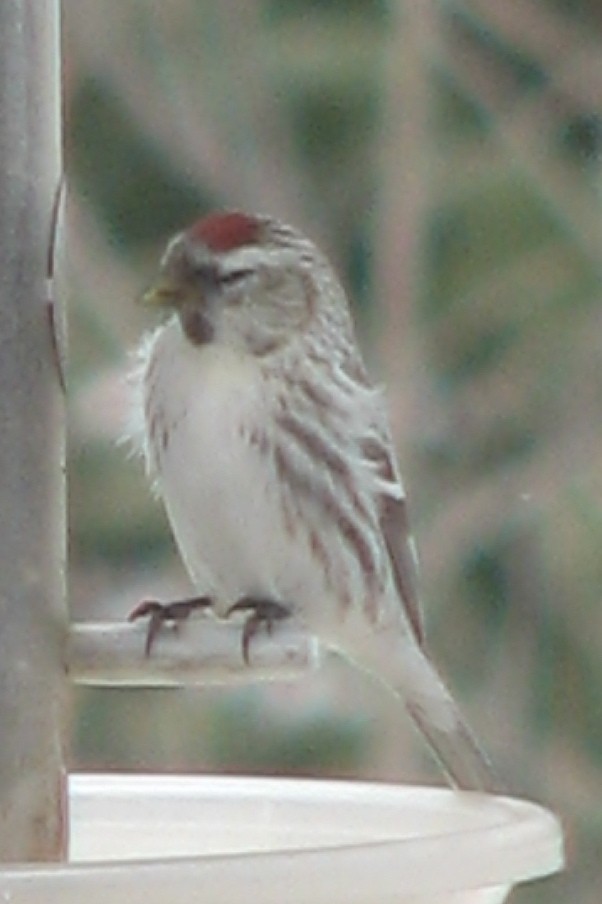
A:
(242, 280)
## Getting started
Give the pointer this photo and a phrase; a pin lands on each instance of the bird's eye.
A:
(234, 277)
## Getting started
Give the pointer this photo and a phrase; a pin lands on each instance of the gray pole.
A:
(32, 527)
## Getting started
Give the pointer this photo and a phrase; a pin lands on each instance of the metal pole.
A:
(32, 598)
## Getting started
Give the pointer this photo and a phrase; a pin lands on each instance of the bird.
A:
(272, 451)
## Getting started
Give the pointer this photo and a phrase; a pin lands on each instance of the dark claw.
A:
(261, 612)
(162, 613)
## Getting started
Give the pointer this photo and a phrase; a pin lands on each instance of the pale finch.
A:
(272, 452)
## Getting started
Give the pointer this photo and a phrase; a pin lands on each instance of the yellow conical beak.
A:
(164, 294)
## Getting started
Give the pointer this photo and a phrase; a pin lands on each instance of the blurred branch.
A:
(203, 650)
(135, 79)
(475, 513)
(405, 149)
(563, 48)
(524, 133)
(265, 151)
(168, 98)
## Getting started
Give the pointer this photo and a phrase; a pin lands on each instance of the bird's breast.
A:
(206, 409)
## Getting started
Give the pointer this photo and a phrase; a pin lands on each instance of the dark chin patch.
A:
(197, 326)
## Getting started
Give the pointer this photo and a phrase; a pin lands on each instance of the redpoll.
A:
(272, 452)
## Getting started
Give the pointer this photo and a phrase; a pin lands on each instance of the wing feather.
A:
(394, 524)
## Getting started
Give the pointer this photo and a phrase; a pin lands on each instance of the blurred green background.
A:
(447, 156)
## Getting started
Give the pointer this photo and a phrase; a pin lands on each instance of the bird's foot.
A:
(262, 612)
(166, 613)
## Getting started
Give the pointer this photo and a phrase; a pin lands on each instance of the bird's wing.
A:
(394, 524)
(398, 540)
(377, 450)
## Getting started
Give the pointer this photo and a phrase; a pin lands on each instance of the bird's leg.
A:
(162, 613)
(261, 612)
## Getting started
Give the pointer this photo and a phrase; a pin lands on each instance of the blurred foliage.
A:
(231, 733)
(447, 156)
(116, 173)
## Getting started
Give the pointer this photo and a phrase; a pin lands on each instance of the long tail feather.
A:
(438, 718)
(458, 753)
(406, 670)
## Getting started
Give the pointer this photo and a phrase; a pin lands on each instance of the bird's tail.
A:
(457, 751)
(438, 718)
(410, 675)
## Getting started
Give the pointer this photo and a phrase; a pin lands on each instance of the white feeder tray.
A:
(233, 840)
